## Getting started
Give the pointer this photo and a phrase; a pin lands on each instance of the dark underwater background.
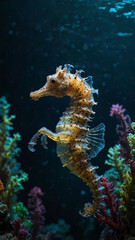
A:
(35, 38)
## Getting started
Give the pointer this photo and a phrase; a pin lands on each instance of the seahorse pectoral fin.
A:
(96, 140)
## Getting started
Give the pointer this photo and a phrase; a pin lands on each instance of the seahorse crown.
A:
(63, 82)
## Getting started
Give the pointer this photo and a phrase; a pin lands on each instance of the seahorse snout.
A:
(44, 91)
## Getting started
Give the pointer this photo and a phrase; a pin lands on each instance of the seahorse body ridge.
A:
(77, 143)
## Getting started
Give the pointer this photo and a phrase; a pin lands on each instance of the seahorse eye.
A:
(53, 81)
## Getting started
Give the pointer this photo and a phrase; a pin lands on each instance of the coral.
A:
(112, 219)
(14, 186)
(122, 129)
(36, 211)
(5, 221)
(20, 211)
(1, 186)
(131, 141)
(52, 236)
(7, 236)
(115, 160)
(8, 143)
(127, 193)
(59, 230)
(121, 158)
(19, 230)
(132, 167)
(126, 181)
(10, 173)
(118, 173)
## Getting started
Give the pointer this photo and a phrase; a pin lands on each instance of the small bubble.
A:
(83, 192)
(13, 24)
(10, 32)
(85, 47)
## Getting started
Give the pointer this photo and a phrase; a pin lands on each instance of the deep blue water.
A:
(35, 38)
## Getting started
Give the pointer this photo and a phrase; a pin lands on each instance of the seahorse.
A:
(77, 143)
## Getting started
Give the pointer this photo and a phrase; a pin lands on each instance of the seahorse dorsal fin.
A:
(68, 67)
(78, 73)
(58, 68)
(89, 80)
(96, 140)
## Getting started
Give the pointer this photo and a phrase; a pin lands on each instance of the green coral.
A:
(127, 196)
(127, 190)
(131, 140)
(20, 211)
(115, 160)
(13, 187)
(10, 174)
(118, 173)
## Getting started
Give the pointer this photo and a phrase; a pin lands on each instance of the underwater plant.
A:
(36, 211)
(19, 230)
(59, 230)
(5, 221)
(10, 173)
(20, 211)
(112, 219)
(122, 129)
(12, 177)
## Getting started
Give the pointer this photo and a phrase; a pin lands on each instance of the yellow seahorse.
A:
(76, 142)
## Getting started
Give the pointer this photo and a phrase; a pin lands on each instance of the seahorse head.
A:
(56, 85)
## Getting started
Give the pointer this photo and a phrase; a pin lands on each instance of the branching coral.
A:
(122, 129)
(10, 174)
(121, 158)
(20, 211)
(112, 219)
(115, 160)
(8, 143)
(5, 221)
(13, 187)
(125, 185)
(119, 170)
(58, 231)
(37, 211)
(19, 231)
(127, 190)
(131, 141)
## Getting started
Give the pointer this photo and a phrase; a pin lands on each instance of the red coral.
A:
(122, 129)
(19, 230)
(109, 214)
(132, 167)
(37, 211)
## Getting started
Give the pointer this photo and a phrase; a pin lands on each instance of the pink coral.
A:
(109, 214)
(37, 210)
(123, 129)
(19, 230)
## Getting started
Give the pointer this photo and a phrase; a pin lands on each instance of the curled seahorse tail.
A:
(89, 176)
